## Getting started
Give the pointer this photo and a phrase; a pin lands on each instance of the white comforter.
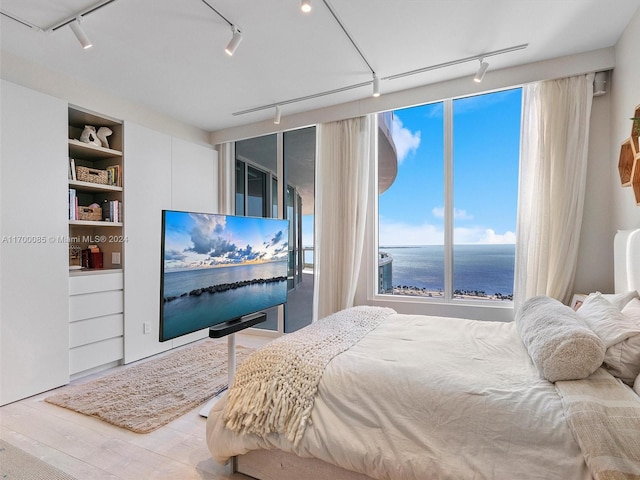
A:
(430, 398)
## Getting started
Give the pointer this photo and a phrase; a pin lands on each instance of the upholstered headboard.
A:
(626, 252)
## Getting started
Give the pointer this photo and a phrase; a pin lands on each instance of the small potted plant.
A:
(636, 126)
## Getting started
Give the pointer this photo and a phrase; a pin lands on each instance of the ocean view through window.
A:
(447, 220)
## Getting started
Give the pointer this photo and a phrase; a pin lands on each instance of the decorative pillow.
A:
(620, 300)
(622, 360)
(636, 385)
(606, 320)
(560, 344)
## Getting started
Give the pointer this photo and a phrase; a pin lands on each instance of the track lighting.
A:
(481, 71)
(77, 29)
(276, 118)
(234, 42)
(376, 80)
(305, 6)
(376, 85)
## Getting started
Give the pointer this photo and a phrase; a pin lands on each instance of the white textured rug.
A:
(148, 395)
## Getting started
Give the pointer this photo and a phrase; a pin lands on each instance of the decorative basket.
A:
(92, 175)
(90, 213)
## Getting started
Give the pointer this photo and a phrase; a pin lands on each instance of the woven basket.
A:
(90, 213)
(92, 175)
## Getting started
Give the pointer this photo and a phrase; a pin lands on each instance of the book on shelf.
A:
(114, 175)
(112, 211)
(73, 204)
(72, 169)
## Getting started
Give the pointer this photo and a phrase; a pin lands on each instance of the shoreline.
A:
(423, 292)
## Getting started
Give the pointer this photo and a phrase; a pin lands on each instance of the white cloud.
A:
(458, 214)
(398, 233)
(403, 234)
(481, 235)
(405, 141)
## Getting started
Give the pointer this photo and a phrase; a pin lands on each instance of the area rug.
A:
(16, 464)
(148, 395)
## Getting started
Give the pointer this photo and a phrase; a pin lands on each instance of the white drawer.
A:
(95, 329)
(94, 355)
(98, 282)
(93, 305)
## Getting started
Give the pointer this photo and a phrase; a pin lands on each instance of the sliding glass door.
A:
(263, 166)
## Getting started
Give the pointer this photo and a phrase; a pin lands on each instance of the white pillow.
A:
(632, 311)
(622, 360)
(606, 320)
(620, 300)
(636, 385)
(561, 346)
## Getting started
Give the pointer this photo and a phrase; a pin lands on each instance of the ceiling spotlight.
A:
(305, 6)
(481, 71)
(234, 42)
(77, 29)
(376, 86)
(276, 118)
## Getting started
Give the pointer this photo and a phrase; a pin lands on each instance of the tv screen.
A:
(217, 268)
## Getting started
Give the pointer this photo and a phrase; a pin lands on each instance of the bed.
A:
(369, 393)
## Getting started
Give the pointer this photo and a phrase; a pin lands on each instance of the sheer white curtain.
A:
(342, 183)
(553, 170)
(226, 187)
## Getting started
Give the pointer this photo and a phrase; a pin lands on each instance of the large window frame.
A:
(448, 299)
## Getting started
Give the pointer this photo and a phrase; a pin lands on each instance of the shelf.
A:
(107, 235)
(76, 147)
(93, 271)
(95, 223)
(93, 187)
(627, 162)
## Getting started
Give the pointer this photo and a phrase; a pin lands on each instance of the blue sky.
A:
(195, 240)
(486, 155)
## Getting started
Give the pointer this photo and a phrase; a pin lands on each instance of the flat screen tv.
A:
(218, 268)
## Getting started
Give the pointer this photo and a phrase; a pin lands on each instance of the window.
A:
(446, 221)
(258, 161)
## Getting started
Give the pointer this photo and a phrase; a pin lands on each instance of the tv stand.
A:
(229, 330)
(232, 326)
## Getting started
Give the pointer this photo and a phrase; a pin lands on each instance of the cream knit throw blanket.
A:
(273, 390)
(604, 417)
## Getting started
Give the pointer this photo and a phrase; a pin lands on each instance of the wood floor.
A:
(88, 448)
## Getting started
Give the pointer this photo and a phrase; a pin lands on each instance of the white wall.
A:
(161, 172)
(595, 258)
(34, 312)
(625, 88)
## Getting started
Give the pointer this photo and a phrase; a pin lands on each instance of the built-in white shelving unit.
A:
(96, 293)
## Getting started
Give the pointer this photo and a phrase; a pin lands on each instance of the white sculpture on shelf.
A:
(103, 133)
(89, 136)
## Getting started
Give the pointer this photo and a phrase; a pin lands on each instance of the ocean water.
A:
(190, 313)
(485, 268)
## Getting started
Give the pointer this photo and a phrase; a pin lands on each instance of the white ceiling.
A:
(168, 54)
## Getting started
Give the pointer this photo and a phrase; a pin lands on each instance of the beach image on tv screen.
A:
(217, 268)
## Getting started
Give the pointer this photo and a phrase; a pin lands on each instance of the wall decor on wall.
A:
(629, 162)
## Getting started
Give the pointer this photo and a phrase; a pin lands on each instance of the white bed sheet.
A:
(430, 397)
